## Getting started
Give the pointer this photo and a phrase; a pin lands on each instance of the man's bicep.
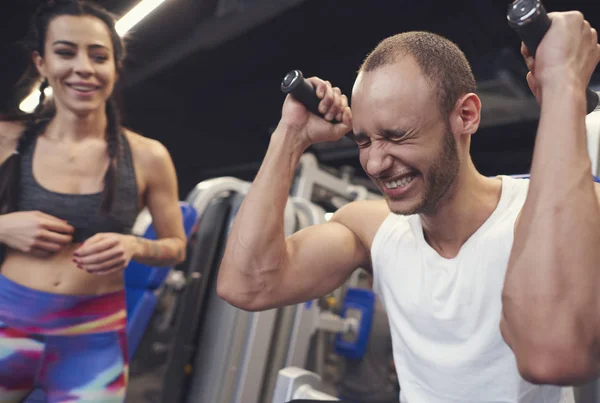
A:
(319, 259)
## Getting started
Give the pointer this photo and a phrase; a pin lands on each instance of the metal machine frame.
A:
(592, 123)
(231, 360)
(240, 354)
(298, 383)
(310, 177)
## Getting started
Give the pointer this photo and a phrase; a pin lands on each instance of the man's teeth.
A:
(400, 183)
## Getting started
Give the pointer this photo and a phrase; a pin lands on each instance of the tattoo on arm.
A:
(154, 250)
(159, 252)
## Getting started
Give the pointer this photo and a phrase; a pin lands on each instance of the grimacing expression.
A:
(406, 146)
(78, 62)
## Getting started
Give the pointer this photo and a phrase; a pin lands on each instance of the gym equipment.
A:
(142, 282)
(165, 365)
(590, 392)
(317, 185)
(297, 383)
(205, 249)
(294, 83)
(206, 349)
(288, 318)
(217, 352)
(314, 185)
(358, 306)
(592, 124)
(530, 20)
(201, 348)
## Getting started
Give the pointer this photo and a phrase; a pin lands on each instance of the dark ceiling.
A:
(203, 75)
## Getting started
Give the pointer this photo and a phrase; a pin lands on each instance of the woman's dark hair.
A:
(36, 122)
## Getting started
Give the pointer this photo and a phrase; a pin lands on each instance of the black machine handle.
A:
(531, 22)
(303, 91)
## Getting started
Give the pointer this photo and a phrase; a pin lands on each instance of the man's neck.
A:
(72, 127)
(468, 204)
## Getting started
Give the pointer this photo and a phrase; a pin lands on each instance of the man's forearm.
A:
(550, 303)
(159, 253)
(256, 245)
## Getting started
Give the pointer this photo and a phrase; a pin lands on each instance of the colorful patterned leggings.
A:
(72, 347)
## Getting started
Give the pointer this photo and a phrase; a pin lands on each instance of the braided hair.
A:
(36, 122)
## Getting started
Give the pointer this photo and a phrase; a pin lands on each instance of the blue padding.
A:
(363, 300)
(133, 296)
(137, 323)
(141, 281)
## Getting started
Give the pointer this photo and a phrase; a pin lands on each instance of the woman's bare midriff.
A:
(58, 274)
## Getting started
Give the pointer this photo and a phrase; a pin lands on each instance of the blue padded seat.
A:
(141, 281)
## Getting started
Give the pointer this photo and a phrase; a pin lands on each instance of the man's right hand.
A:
(35, 232)
(312, 128)
(568, 51)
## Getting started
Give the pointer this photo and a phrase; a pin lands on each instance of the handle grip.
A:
(303, 91)
(531, 22)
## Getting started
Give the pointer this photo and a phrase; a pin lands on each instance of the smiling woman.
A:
(92, 56)
(72, 182)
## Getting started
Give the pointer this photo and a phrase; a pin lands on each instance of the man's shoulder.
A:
(363, 217)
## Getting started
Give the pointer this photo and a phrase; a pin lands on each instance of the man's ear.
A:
(466, 116)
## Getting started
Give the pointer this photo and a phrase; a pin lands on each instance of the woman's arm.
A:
(162, 201)
(106, 253)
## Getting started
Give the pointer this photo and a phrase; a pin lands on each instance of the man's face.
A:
(406, 146)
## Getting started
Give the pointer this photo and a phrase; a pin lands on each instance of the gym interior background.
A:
(203, 75)
(203, 78)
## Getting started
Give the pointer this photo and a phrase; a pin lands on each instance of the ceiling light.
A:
(136, 14)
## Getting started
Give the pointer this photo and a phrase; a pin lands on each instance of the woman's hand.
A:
(105, 253)
(34, 232)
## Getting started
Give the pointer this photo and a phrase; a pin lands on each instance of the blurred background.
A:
(203, 75)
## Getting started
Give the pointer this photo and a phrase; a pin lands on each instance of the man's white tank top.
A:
(445, 313)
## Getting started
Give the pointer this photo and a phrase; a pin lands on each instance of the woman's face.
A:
(78, 63)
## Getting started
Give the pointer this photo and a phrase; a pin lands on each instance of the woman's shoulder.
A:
(146, 150)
